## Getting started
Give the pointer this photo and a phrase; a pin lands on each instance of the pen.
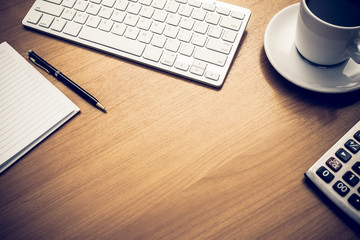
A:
(61, 77)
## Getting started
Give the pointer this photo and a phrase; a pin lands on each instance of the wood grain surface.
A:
(173, 159)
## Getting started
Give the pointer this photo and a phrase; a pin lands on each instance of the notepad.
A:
(31, 108)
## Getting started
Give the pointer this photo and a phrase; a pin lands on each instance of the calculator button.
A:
(353, 146)
(341, 188)
(356, 168)
(357, 135)
(351, 178)
(325, 174)
(354, 200)
(343, 155)
(334, 164)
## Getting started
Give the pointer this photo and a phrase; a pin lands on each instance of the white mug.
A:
(324, 43)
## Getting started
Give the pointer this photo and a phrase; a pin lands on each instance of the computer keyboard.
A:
(190, 38)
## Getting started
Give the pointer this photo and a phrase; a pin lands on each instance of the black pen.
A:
(61, 77)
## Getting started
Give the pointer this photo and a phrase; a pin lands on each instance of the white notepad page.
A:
(30, 106)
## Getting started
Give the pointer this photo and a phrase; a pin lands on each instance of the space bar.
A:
(113, 41)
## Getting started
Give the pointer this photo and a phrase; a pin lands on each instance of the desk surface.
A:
(172, 159)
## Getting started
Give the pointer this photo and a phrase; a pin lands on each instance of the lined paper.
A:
(30, 106)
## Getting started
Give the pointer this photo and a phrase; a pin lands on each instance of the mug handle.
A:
(354, 50)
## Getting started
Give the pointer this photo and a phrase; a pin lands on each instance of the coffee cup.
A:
(328, 31)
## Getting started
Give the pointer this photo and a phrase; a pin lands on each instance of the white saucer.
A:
(282, 54)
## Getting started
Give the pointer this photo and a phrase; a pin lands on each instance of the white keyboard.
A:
(191, 38)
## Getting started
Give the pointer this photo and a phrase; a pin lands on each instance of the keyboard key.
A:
(34, 17)
(72, 29)
(213, 18)
(198, 14)
(351, 178)
(121, 5)
(160, 16)
(238, 15)
(229, 36)
(68, 14)
(108, 3)
(144, 24)
(113, 41)
(353, 146)
(196, 70)
(341, 188)
(93, 9)
(219, 46)
(58, 25)
(152, 53)
(80, 17)
(46, 21)
(230, 23)
(223, 11)
(158, 41)
(105, 25)
(81, 5)
(93, 21)
(325, 174)
(168, 58)
(105, 12)
(172, 45)
(199, 40)
(118, 29)
(185, 35)
(187, 23)
(131, 32)
(49, 8)
(187, 49)
(357, 135)
(185, 10)
(215, 32)
(210, 56)
(172, 7)
(69, 3)
(334, 164)
(212, 75)
(354, 200)
(201, 27)
(145, 37)
(182, 66)
(55, 1)
(146, 12)
(194, 3)
(159, 4)
(343, 155)
(356, 168)
(209, 6)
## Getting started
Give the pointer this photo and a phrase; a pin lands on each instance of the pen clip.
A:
(34, 61)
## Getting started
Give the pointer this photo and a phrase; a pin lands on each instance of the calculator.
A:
(337, 173)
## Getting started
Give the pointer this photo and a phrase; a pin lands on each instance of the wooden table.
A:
(172, 159)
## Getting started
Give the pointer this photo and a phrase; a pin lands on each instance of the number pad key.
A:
(354, 200)
(343, 155)
(351, 178)
(353, 146)
(334, 164)
(341, 188)
(357, 135)
(356, 168)
(325, 174)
